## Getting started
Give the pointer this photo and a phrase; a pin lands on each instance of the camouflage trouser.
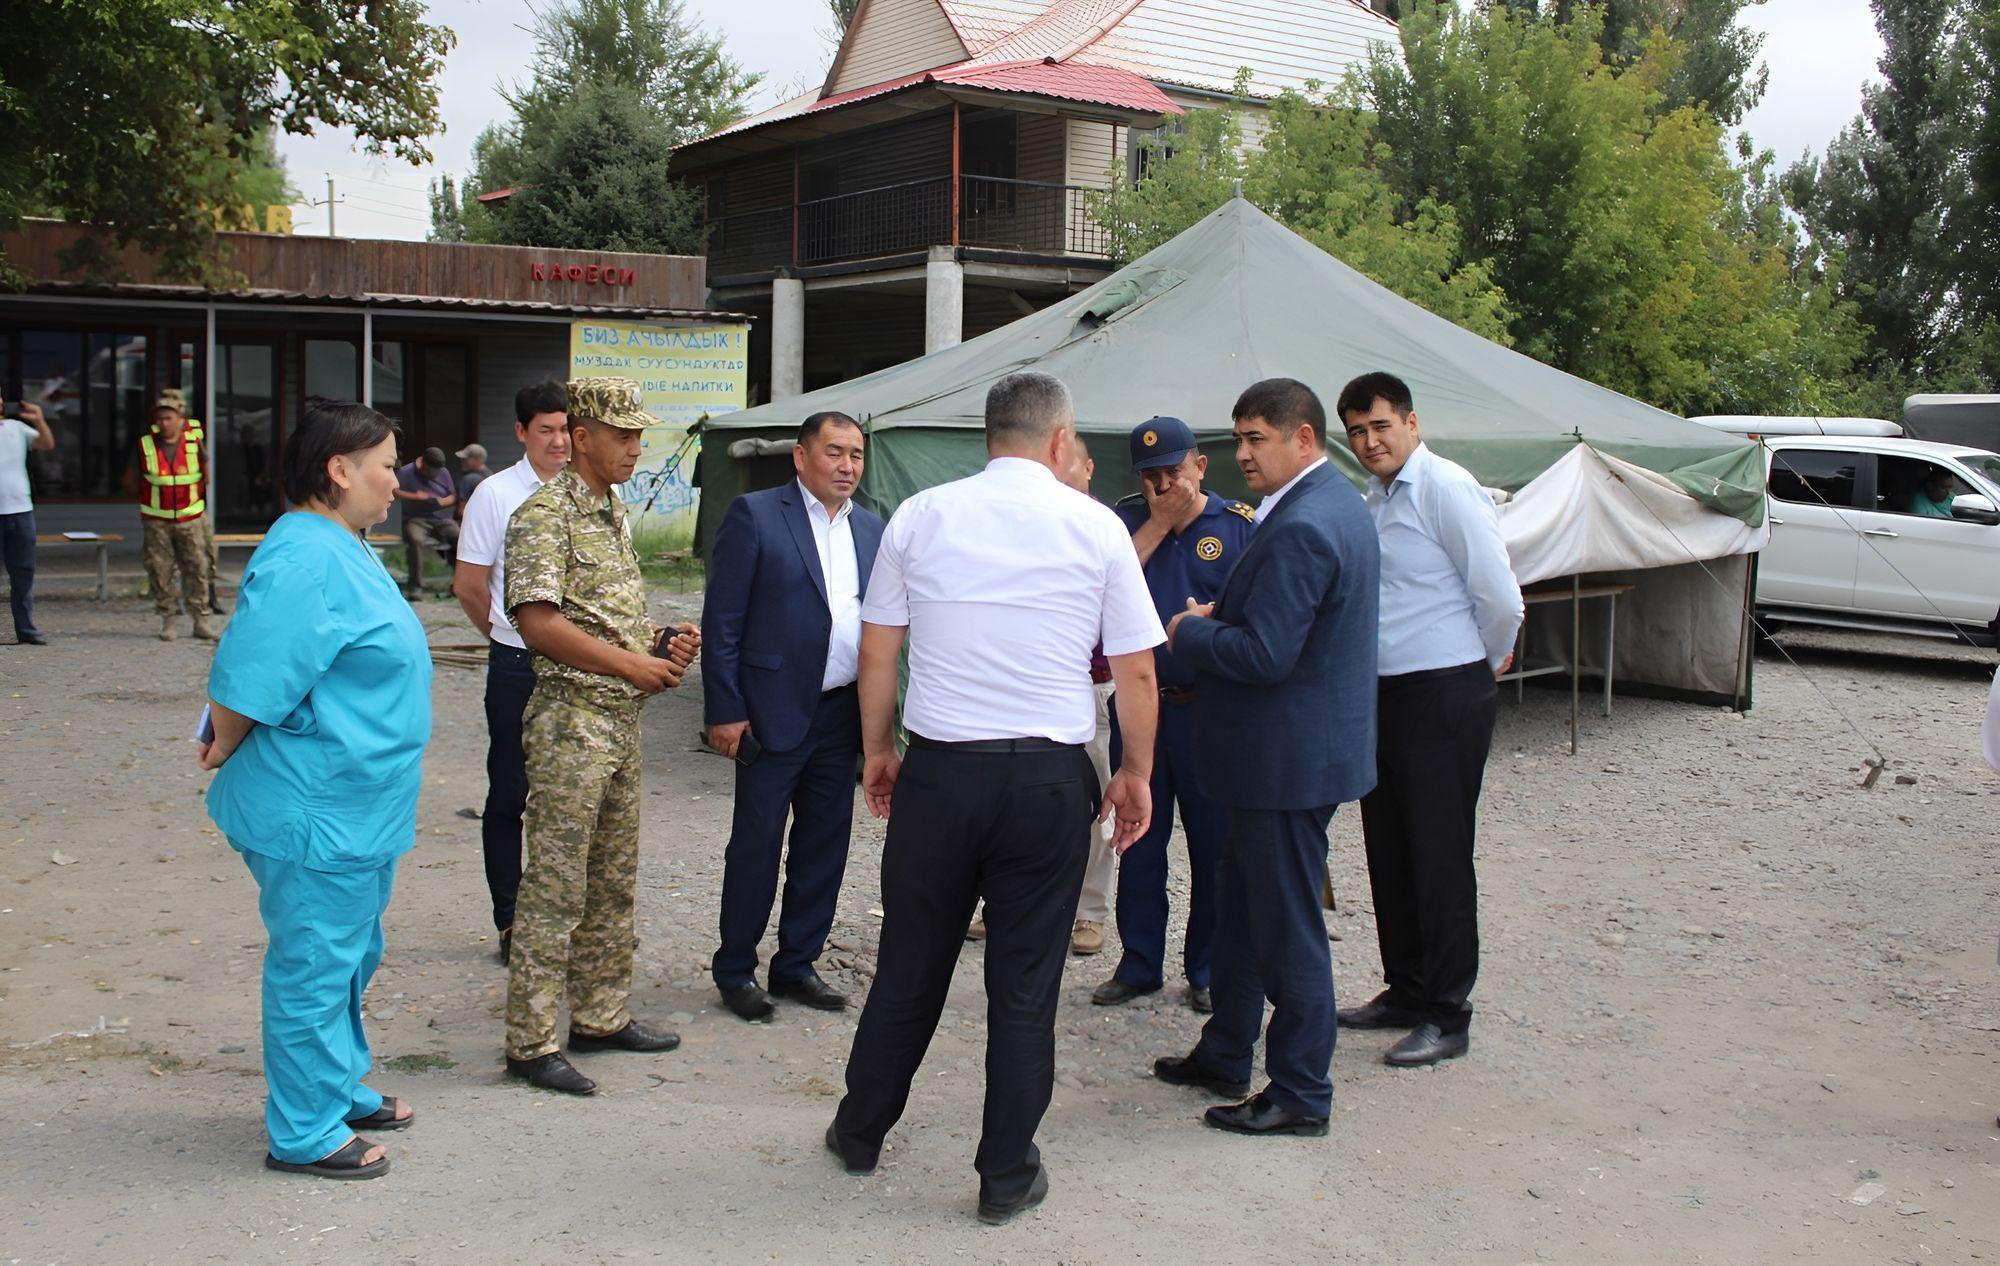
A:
(573, 917)
(181, 547)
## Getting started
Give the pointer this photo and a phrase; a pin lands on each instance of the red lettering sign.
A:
(536, 273)
(588, 274)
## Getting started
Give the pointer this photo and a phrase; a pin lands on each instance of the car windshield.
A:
(1987, 467)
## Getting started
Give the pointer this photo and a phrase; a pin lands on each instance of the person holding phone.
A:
(23, 430)
(320, 703)
(781, 626)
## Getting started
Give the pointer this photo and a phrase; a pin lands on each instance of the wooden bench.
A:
(101, 541)
(251, 540)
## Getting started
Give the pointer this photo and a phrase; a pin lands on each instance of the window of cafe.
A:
(92, 387)
(425, 387)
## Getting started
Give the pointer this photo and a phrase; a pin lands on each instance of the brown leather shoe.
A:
(1086, 938)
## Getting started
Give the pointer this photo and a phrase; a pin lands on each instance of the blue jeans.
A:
(17, 543)
(325, 932)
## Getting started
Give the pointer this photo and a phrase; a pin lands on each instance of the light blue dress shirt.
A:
(1448, 591)
(324, 653)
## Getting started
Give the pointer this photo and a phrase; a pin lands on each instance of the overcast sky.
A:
(1820, 52)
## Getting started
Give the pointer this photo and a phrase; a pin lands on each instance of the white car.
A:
(1879, 532)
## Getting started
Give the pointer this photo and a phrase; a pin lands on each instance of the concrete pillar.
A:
(788, 337)
(944, 300)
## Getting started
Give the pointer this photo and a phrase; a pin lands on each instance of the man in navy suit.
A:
(782, 628)
(1284, 723)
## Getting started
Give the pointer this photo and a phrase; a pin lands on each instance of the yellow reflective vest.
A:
(173, 488)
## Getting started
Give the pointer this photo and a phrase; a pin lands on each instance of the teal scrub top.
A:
(324, 653)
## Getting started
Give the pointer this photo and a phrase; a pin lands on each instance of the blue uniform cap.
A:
(1161, 441)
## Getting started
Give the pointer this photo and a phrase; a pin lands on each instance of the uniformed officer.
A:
(1187, 541)
(574, 592)
(169, 478)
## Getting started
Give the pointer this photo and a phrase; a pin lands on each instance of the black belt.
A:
(1177, 696)
(503, 650)
(837, 690)
(994, 747)
(1428, 674)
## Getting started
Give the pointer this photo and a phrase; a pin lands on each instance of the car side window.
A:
(1913, 486)
(1814, 476)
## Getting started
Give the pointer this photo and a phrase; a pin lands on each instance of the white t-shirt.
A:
(482, 538)
(1006, 581)
(15, 436)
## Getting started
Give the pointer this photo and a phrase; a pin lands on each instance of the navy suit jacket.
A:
(765, 621)
(1284, 705)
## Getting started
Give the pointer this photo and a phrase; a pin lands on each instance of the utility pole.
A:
(329, 203)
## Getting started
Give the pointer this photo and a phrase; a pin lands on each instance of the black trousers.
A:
(1013, 828)
(510, 679)
(1434, 732)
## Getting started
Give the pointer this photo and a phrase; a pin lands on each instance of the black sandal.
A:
(384, 1118)
(343, 1164)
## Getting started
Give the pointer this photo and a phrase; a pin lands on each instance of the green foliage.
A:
(447, 219)
(639, 63)
(144, 115)
(599, 181)
(843, 11)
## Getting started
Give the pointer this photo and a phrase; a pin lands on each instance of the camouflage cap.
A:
(612, 401)
(171, 398)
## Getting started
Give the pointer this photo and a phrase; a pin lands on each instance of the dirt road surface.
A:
(1734, 1008)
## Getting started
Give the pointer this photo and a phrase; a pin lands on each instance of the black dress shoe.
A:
(1379, 1014)
(1258, 1115)
(1115, 992)
(633, 1037)
(812, 991)
(833, 1145)
(551, 1072)
(1427, 1044)
(506, 945)
(749, 1002)
(1200, 1000)
(1187, 1071)
(31, 639)
(994, 1214)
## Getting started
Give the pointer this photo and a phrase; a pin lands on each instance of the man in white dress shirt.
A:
(478, 581)
(781, 627)
(1450, 608)
(1003, 582)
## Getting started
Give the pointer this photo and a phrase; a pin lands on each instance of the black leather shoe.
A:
(833, 1145)
(749, 1002)
(1200, 1000)
(506, 945)
(1427, 1044)
(1258, 1115)
(995, 1214)
(1187, 1071)
(1115, 992)
(1378, 1014)
(812, 991)
(551, 1072)
(31, 639)
(635, 1036)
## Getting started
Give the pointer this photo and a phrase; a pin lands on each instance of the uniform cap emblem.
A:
(1150, 438)
(1208, 548)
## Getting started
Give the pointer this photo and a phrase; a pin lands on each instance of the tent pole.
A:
(1575, 651)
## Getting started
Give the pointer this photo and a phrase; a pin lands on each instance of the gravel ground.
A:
(1735, 1008)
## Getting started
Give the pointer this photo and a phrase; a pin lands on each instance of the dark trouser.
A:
(1013, 828)
(1142, 871)
(17, 543)
(815, 782)
(420, 534)
(510, 679)
(1270, 942)
(1434, 730)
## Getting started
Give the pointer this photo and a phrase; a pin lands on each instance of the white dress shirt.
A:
(1448, 591)
(1270, 503)
(834, 538)
(1006, 581)
(482, 538)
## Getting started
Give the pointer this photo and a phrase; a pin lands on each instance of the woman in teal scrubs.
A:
(321, 704)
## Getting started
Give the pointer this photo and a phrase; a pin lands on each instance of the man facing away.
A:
(425, 490)
(20, 436)
(574, 591)
(781, 627)
(1284, 720)
(1003, 582)
(472, 472)
(479, 582)
(1187, 541)
(1449, 612)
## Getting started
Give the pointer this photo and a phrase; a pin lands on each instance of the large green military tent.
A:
(1594, 482)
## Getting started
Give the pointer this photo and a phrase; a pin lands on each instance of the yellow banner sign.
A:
(685, 372)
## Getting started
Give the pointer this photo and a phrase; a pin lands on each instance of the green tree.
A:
(599, 181)
(1972, 221)
(447, 219)
(144, 116)
(843, 12)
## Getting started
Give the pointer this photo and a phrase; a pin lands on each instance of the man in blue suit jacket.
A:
(781, 628)
(1284, 663)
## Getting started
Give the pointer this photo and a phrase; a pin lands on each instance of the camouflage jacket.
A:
(569, 547)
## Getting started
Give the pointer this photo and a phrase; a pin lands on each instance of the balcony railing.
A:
(1030, 216)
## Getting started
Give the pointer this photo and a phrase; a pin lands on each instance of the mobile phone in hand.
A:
(748, 749)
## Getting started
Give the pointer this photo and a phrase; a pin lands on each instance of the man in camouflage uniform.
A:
(168, 476)
(574, 592)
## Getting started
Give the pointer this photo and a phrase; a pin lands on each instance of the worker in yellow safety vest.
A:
(170, 481)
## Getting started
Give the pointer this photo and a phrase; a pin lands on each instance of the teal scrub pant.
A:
(325, 932)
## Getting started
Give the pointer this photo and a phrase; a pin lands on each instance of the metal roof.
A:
(524, 307)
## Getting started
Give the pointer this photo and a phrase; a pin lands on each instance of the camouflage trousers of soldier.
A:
(177, 548)
(573, 917)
